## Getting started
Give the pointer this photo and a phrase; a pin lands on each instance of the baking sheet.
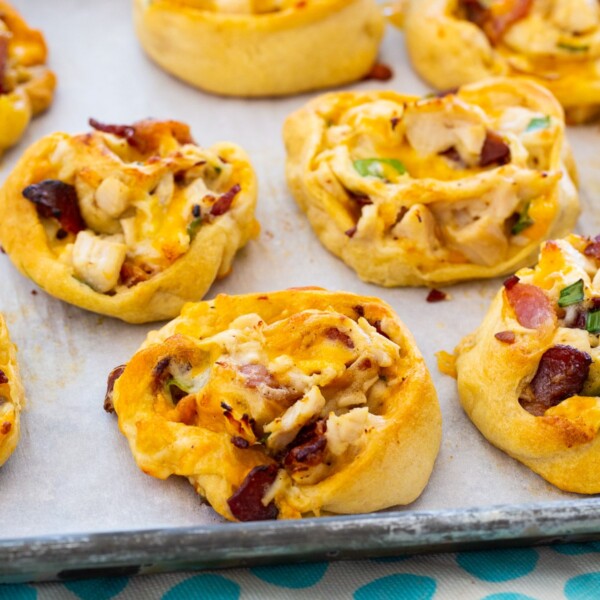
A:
(72, 472)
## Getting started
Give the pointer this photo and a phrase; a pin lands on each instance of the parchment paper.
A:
(72, 471)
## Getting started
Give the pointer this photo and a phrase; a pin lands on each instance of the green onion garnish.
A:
(193, 227)
(374, 167)
(572, 294)
(524, 221)
(538, 123)
(592, 321)
(571, 47)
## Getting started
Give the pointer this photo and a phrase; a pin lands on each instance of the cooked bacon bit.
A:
(110, 386)
(360, 199)
(58, 200)
(256, 375)
(511, 282)
(308, 448)
(561, 374)
(350, 232)
(436, 296)
(377, 325)
(240, 442)
(593, 248)
(3, 377)
(177, 394)
(61, 234)
(495, 23)
(359, 310)
(132, 274)
(336, 335)
(246, 503)
(365, 364)
(444, 93)
(5, 428)
(452, 154)
(161, 372)
(532, 307)
(34, 292)
(495, 151)
(380, 72)
(223, 204)
(3, 63)
(125, 131)
(394, 121)
(507, 337)
(146, 135)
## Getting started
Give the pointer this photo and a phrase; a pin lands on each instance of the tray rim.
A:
(145, 551)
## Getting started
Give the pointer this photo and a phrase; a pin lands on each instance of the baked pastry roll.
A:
(529, 376)
(261, 47)
(413, 191)
(554, 42)
(26, 84)
(12, 395)
(128, 221)
(283, 404)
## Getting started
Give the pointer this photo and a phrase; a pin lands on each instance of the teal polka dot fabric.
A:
(565, 572)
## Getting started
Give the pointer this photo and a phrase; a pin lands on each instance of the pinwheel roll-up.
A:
(26, 84)
(554, 42)
(283, 404)
(12, 395)
(128, 221)
(529, 376)
(413, 191)
(261, 47)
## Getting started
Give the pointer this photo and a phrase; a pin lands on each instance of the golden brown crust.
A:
(556, 44)
(245, 362)
(26, 84)
(12, 395)
(177, 214)
(439, 211)
(246, 49)
(560, 440)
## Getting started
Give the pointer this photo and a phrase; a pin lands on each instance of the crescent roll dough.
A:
(529, 376)
(413, 191)
(283, 404)
(128, 221)
(261, 47)
(12, 395)
(554, 42)
(26, 85)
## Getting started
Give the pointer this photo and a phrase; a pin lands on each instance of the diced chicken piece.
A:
(129, 231)
(516, 119)
(112, 196)
(97, 260)
(476, 228)
(348, 429)
(576, 16)
(284, 429)
(434, 130)
(164, 189)
(418, 226)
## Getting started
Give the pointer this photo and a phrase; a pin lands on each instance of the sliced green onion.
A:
(374, 166)
(193, 227)
(538, 123)
(524, 221)
(181, 392)
(571, 47)
(592, 321)
(572, 294)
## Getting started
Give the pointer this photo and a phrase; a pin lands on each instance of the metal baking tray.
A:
(75, 504)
